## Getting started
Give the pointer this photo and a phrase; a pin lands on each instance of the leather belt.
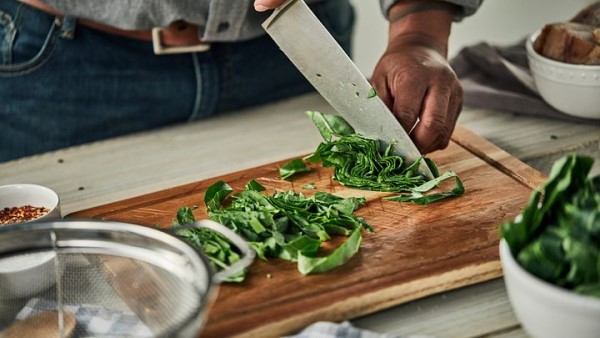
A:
(178, 37)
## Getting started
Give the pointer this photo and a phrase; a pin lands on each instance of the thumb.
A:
(265, 5)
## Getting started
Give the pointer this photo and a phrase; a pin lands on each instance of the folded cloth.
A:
(498, 78)
(93, 320)
(343, 330)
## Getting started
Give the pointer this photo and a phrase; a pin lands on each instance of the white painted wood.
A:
(467, 312)
(536, 141)
(133, 165)
(515, 333)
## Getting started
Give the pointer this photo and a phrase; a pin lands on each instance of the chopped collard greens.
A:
(359, 162)
(216, 247)
(287, 225)
(291, 226)
(557, 235)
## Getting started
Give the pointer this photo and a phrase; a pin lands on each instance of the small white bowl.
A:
(21, 276)
(546, 310)
(26, 275)
(16, 195)
(571, 89)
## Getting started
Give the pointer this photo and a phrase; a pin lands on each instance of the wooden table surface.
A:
(99, 173)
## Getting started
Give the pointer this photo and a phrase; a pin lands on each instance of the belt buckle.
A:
(161, 49)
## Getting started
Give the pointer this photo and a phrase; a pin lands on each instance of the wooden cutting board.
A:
(416, 250)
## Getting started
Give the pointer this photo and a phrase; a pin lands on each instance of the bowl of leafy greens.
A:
(550, 254)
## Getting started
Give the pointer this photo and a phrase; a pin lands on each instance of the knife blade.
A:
(316, 54)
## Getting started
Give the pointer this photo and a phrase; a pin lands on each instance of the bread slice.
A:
(570, 42)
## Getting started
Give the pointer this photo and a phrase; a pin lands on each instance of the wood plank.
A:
(534, 140)
(416, 250)
(475, 311)
(516, 332)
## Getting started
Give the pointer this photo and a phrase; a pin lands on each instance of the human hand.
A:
(416, 82)
(265, 5)
(413, 77)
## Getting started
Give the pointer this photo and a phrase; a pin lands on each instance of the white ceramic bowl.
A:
(546, 310)
(16, 195)
(26, 275)
(572, 89)
(20, 276)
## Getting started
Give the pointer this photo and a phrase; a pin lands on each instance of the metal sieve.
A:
(106, 279)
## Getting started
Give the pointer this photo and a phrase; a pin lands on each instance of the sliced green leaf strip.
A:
(287, 225)
(360, 163)
(215, 246)
(292, 168)
(216, 193)
(330, 125)
(308, 264)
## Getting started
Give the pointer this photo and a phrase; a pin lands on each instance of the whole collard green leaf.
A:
(519, 231)
(544, 257)
(557, 235)
(359, 162)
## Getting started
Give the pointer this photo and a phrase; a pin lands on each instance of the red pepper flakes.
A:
(21, 214)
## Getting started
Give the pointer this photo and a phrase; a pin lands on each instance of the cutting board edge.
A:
(380, 300)
(498, 158)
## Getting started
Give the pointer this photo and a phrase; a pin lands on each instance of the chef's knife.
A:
(312, 49)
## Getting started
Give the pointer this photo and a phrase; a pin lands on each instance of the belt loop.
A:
(67, 28)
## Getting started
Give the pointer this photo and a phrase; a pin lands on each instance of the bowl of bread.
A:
(564, 59)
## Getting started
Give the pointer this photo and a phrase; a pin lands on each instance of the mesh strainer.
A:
(105, 279)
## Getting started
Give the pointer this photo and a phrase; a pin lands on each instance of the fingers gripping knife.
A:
(316, 54)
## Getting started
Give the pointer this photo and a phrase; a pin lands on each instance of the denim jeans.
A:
(64, 84)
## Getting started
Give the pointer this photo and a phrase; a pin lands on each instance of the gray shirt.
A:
(219, 20)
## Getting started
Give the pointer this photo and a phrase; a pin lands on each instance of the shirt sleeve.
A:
(469, 7)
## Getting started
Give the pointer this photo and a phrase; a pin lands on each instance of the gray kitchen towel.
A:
(487, 75)
(343, 330)
(93, 320)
